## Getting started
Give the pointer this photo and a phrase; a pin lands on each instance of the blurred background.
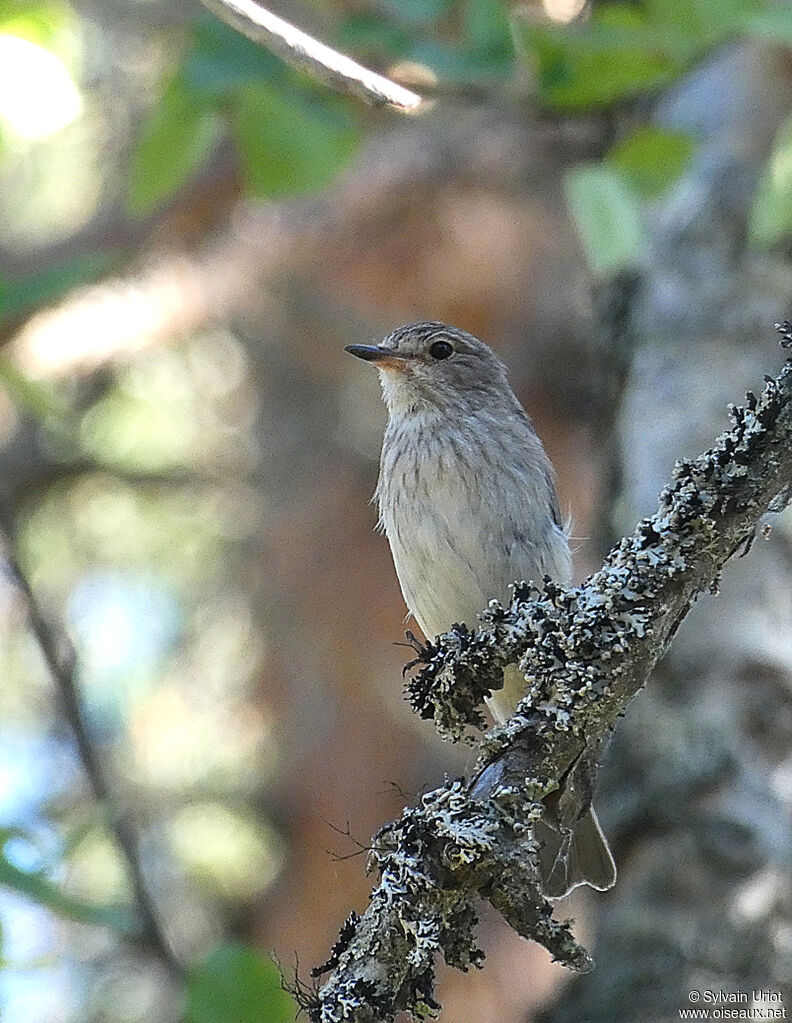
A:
(201, 713)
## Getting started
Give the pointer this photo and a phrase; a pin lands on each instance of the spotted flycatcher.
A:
(468, 502)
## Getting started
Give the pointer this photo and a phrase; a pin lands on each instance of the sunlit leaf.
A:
(235, 983)
(44, 23)
(652, 159)
(771, 215)
(173, 144)
(289, 144)
(607, 214)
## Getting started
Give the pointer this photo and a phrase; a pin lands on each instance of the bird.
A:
(467, 500)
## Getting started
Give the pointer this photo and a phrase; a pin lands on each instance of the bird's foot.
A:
(423, 652)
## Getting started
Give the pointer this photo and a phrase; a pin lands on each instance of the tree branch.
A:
(61, 661)
(314, 58)
(585, 651)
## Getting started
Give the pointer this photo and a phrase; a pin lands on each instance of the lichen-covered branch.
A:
(585, 651)
(313, 57)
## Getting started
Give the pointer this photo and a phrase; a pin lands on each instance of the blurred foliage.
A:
(48, 23)
(608, 216)
(21, 295)
(37, 884)
(619, 53)
(651, 159)
(457, 39)
(771, 217)
(141, 575)
(172, 146)
(290, 143)
(235, 983)
(32, 395)
(293, 136)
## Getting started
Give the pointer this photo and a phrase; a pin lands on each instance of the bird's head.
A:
(435, 365)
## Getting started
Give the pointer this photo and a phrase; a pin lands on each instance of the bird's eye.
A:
(441, 350)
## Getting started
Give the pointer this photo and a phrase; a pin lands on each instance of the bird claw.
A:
(419, 648)
(414, 642)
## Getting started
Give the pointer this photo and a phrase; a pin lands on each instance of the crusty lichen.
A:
(434, 862)
(585, 652)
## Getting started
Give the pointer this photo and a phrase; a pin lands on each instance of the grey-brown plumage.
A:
(467, 499)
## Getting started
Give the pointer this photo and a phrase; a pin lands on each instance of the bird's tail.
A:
(571, 858)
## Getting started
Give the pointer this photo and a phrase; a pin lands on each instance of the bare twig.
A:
(586, 652)
(313, 57)
(61, 660)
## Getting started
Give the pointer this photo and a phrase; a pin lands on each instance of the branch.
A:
(585, 652)
(61, 659)
(314, 58)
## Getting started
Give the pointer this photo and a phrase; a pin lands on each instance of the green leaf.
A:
(290, 144)
(614, 56)
(448, 62)
(36, 886)
(486, 49)
(771, 215)
(691, 27)
(173, 144)
(236, 984)
(220, 59)
(19, 295)
(372, 39)
(607, 214)
(773, 22)
(415, 12)
(652, 159)
(489, 33)
(33, 395)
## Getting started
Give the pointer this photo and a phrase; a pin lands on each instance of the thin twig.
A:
(61, 659)
(313, 57)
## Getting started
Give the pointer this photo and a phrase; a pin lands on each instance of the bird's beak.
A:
(383, 358)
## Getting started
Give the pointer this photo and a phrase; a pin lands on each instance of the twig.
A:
(313, 57)
(61, 660)
(586, 652)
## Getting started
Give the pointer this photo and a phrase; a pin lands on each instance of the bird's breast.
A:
(465, 516)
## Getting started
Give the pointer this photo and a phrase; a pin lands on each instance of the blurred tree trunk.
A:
(696, 792)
